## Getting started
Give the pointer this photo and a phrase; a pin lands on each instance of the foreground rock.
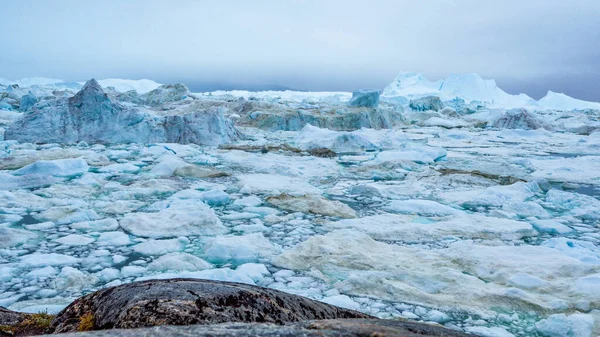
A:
(21, 324)
(92, 116)
(189, 301)
(323, 328)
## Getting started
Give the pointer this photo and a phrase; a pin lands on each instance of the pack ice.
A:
(446, 201)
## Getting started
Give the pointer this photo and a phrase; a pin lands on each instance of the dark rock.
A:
(324, 328)
(190, 301)
(8, 317)
(429, 103)
(365, 98)
(21, 324)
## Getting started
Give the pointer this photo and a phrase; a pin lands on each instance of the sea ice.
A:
(58, 168)
(238, 249)
(177, 218)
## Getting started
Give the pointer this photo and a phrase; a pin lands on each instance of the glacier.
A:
(450, 202)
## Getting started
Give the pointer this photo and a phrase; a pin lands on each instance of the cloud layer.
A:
(529, 46)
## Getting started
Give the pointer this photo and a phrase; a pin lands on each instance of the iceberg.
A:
(560, 101)
(365, 98)
(468, 87)
(92, 116)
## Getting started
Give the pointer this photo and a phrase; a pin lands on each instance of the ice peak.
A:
(91, 90)
(91, 84)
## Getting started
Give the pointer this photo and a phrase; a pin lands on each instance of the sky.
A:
(529, 46)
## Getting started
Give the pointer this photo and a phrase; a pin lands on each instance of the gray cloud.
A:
(529, 46)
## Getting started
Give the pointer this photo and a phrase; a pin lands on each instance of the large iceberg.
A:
(92, 116)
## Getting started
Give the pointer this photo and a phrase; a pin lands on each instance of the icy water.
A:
(459, 227)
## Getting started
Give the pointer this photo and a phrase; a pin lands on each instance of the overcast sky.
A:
(526, 45)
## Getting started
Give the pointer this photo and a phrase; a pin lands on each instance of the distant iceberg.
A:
(469, 87)
(560, 101)
(472, 88)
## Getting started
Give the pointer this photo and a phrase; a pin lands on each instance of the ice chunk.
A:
(589, 285)
(215, 198)
(526, 209)
(584, 251)
(133, 271)
(27, 101)
(103, 225)
(119, 168)
(312, 204)
(342, 301)
(177, 262)
(75, 240)
(73, 279)
(41, 273)
(221, 274)
(251, 201)
(436, 316)
(428, 103)
(178, 218)
(365, 98)
(311, 138)
(497, 196)
(238, 249)
(418, 154)
(488, 332)
(255, 271)
(275, 184)
(50, 259)
(115, 238)
(58, 168)
(108, 274)
(421, 207)
(160, 247)
(414, 229)
(11, 182)
(551, 227)
(526, 281)
(560, 325)
(10, 237)
(167, 165)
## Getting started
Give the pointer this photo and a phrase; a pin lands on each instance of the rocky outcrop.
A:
(323, 328)
(365, 98)
(428, 103)
(21, 324)
(190, 301)
(92, 116)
